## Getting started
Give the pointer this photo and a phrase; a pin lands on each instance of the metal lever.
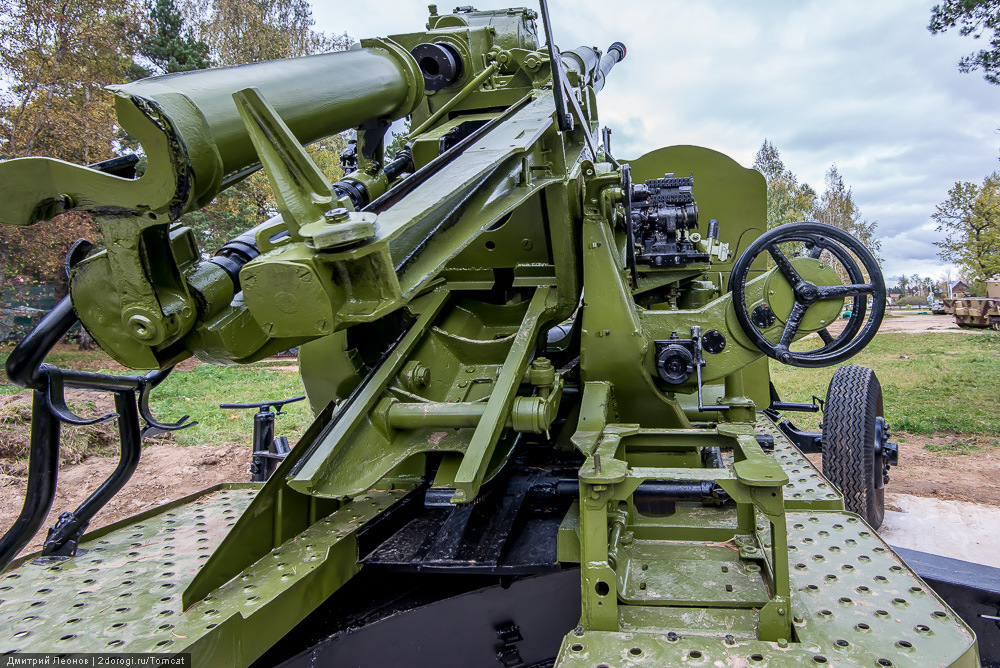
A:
(268, 451)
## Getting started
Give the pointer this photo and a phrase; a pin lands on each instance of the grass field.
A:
(932, 383)
(197, 392)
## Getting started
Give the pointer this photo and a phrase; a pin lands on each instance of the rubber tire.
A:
(853, 401)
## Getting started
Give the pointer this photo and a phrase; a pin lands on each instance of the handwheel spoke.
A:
(826, 336)
(819, 245)
(784, 266)
(792, 324)
(841, 291)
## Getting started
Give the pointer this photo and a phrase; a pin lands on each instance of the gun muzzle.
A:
(584, 61)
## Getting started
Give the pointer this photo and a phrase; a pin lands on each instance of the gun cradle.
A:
(526, 358)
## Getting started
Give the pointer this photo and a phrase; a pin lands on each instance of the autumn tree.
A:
(970, 221)
(978, 18)
(56, 59)
(788, 201)
(837, 207)
(247, 31)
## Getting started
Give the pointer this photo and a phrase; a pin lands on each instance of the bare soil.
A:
(941, 475)
(919, 324)
(166, 471)
(910, 323)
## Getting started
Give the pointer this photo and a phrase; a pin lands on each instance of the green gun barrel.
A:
(195, 142)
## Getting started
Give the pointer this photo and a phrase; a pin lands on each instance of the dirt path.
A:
(941, 475)
(912, 323)
(166, 471)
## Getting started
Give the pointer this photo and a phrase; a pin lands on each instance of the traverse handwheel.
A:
(817, 241)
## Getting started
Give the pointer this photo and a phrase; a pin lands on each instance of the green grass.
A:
(198, 392)
(930, 383)
(953, 448)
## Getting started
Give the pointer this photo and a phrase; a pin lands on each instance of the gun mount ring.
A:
(816, 238)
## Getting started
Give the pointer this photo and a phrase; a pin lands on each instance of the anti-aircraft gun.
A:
(544, 423)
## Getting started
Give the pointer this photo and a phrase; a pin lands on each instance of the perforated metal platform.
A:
(124, 594)
(854, 603)
(806, 488)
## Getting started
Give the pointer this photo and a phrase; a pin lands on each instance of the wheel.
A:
(817, 239)
(856, 455)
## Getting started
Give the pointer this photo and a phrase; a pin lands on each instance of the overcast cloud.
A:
(859, 84)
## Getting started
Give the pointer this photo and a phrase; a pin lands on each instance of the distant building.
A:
(959, 289)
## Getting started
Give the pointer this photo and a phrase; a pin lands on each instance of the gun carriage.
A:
(544, 424)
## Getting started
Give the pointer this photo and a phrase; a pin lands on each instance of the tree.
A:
(838, 208)
(247, 31)
(970, 221)
(55, 61)
(171, 46)
(976, 18)
(787, 200)
(250, 31)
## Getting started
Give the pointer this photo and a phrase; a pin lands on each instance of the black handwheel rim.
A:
(810, 233)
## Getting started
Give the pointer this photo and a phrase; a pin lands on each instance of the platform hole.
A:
(843, 643)
(635, 651)
(905, 644)
(819, 658)
(694, 654)
(862, 626)
(490, 246)
(68, 636)
(602, 588)
(884, 662)
(922, 628)
(115, 643)
(756, 657)
(939, 613)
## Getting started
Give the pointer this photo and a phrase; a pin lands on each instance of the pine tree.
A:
(171, 46)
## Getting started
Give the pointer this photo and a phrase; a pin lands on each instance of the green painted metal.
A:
(469, 303)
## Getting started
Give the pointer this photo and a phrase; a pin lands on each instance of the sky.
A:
(862, 85)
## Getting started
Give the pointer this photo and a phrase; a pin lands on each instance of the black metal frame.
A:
(26, 368)
(268, 451)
